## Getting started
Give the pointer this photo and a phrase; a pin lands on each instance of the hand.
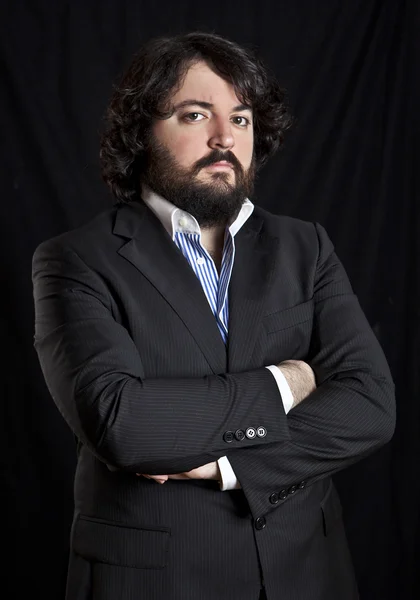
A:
(208, 471)
(300, 377)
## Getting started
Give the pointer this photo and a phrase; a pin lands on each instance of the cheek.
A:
(245, 150)
(185, 148)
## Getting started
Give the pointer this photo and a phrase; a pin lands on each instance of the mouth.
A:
(222, 165)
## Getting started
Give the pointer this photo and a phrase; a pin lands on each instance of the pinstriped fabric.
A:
(215, 287)
(133, 357)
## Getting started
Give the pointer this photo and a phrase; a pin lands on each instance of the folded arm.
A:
(348, 416)
(95, 376)
(295, 381)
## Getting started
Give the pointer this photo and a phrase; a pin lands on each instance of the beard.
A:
(212, 203)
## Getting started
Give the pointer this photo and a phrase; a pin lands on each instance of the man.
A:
(181, 335)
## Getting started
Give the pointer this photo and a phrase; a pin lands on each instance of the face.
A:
(201, 157)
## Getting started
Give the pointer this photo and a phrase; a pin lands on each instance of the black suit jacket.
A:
(134, 360)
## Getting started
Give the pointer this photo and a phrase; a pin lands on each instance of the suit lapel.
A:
(255, 253)
(151, 250)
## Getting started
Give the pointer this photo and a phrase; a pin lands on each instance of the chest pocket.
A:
(290, 317)
(288, 333)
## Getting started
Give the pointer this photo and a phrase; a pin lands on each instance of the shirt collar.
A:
(176, 220)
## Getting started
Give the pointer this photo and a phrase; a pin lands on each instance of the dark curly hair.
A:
(155, 74)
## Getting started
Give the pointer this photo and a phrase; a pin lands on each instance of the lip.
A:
(223, 164)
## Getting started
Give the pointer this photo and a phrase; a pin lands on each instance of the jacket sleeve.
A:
(352, 411)
(95, 375)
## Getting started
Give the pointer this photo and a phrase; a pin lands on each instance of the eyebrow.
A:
(208, 105)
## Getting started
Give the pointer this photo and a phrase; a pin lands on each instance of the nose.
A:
(221, 137)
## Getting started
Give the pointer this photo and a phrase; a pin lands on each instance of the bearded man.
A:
(210, 357)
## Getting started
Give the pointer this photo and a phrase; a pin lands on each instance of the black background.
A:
(351, 163)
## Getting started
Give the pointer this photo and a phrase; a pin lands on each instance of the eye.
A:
(193, 117)
(241, 121)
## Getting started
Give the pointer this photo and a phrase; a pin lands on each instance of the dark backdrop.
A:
(351, 163)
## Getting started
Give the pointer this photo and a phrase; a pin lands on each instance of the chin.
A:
(223, 177)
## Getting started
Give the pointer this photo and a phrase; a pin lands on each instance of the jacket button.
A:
(260, 523)
(228, 436)
(274, 498)
(302, 485)
(292, 490)
(239, 435)
(261, 432)
(283, 495)
(250, 433)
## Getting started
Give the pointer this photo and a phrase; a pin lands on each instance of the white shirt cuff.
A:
(284, 389)
(229, 480)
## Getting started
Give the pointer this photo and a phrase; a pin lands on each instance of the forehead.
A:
(203, 84)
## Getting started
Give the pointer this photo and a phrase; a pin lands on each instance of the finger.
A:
(159, 478)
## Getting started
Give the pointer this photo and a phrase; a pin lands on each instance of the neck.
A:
(213, 239)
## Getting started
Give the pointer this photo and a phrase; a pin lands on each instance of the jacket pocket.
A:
(331, 509)
(120, 544)
(289, 317)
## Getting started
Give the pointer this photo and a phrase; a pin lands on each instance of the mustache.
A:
(217, 156)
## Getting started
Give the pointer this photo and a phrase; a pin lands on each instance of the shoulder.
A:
(85, 238)
(281, 225)
(295, 234)
(280, 222)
